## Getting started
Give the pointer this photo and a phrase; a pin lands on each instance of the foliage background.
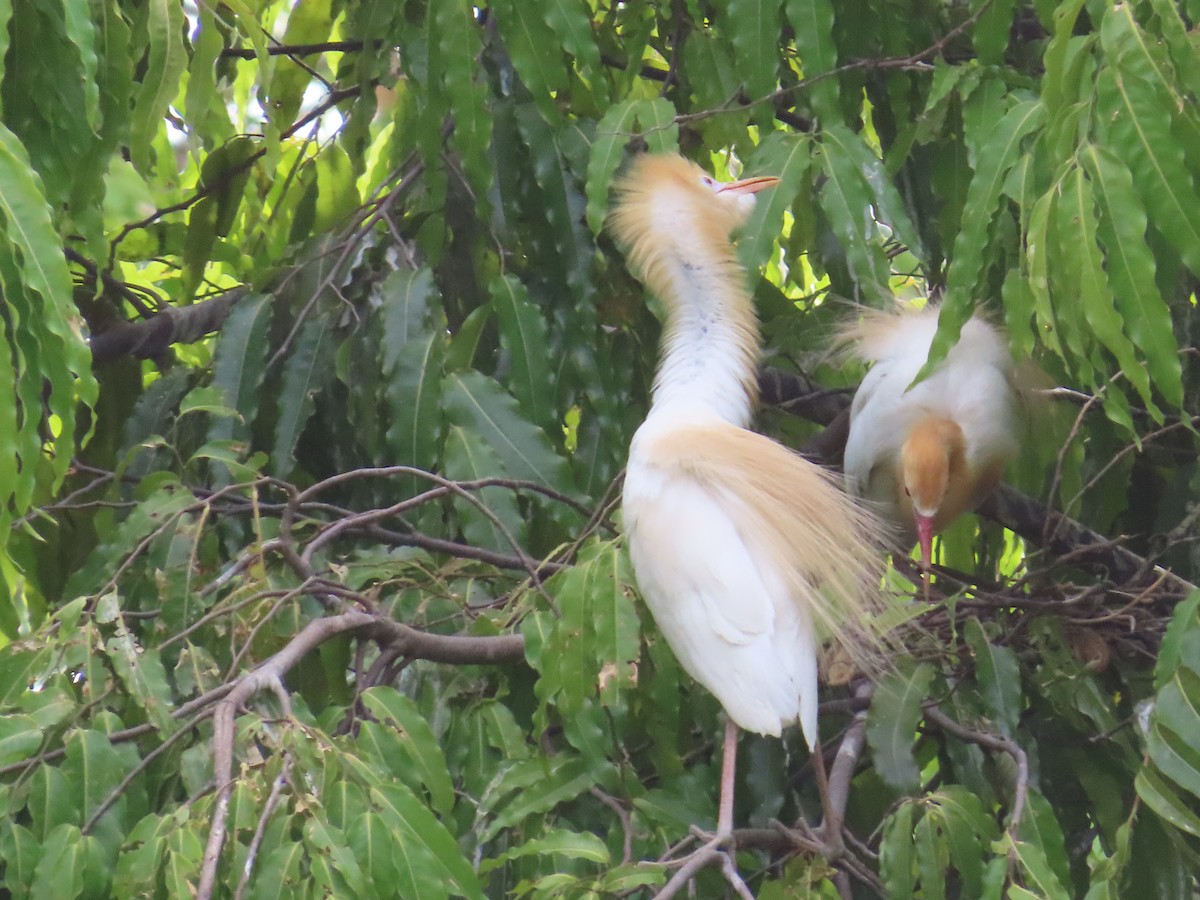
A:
(310, 582)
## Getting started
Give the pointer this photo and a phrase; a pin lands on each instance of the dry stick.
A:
(623, 815)
(283, 779)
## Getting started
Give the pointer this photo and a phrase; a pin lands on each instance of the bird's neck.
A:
(710, 347)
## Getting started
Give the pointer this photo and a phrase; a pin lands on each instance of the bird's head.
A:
(930, 453)
(662, 192)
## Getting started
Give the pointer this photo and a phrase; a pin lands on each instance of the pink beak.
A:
(925, 538)
(748, 185)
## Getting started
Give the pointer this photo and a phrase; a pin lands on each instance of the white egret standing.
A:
(746, 553)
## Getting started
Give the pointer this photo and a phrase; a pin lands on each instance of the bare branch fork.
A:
(269, 676)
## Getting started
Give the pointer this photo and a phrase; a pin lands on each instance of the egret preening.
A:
(746, 554)
(928, 453)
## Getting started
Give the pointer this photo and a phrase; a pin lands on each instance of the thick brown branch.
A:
(151, 338)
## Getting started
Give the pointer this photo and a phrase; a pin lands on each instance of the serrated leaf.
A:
(846, 199)
(523, 333)
(789, 158)
(306, 370)
(999, 678)
(166, 60)
(535, 50)
(1131, 267)
(477, 404)
(413, 349)
(813, 24)
(1085, 272)
(608, 149)
(892, 725)
(997, 154)
(532, 786)
(424, 752)
(468, 458)
(896, 859)
(416, 825)
(753, 29)
(1138, 130)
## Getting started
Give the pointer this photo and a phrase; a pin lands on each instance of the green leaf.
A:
(990, 34)
(572, 23)
(21, 852)
(1131, 267)
(141, 671)
(846, 198)
(1163, 797)
(1138, 131)
(1185, 620)
(933, 858)
(20, 738)
(419, 742)
(659, 129)
(535, 49)
(998, 153)
(469, 458)
(753, 29)
(279, 875)
(788, 157)
(896, 858)
(998, 676)
(1042, 848)
(165, 63)
(886, 199)
(529, 787)
(813, 24)
(477, 404)
(555, 842)
(892, 725)
(417, 827)
(608, 149)
(523, 333)
(59, 873)
(326, 842)
(307, 369)
(413, 351)
(239, 364)
(1085, 272)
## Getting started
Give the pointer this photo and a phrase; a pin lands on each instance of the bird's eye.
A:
(706, 180)
(907, 492)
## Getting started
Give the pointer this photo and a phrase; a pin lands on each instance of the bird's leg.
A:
(831, 829)
(728, 769)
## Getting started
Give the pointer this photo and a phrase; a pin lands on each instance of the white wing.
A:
(725, 610)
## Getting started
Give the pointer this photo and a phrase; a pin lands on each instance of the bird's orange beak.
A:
(749, 185)
(925, 538)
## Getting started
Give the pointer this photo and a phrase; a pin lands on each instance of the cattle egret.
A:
(746, 554)
(928, 453)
